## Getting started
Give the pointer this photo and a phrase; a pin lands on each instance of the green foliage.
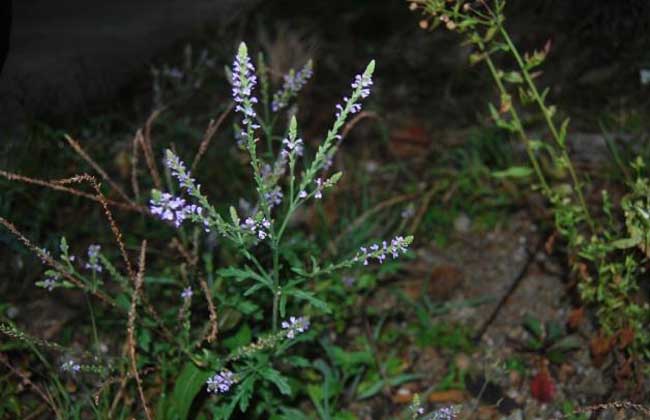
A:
(230, 310)
(550, 339)
(607, 257)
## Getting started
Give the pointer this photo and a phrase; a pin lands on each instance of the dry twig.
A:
(52, 263)
(137, 139)
(145, 141)
(55, 186)
(26, 380)
(214, 325)
(209, 133)
(131, 327)
(81, 152)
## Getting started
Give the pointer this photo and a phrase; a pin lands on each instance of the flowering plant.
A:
(231, 329)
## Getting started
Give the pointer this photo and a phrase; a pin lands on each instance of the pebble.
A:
(462, 223)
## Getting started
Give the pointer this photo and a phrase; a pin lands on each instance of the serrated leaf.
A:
(277, 379)
(309, 297)
(243, 337)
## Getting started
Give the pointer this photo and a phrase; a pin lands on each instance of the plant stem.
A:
(549, 122)
(515, 117)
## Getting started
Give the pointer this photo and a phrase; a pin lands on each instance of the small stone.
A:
(462, 223)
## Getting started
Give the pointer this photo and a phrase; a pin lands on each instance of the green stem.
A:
(518, 125)
(549, 122)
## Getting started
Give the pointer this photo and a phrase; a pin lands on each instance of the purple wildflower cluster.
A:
(291, 147)
(51, 281)
(70, 366)
(361, 86)
(445, 413)
(397, 245)
(187, 293)
(173, 209)
(257, 228)
(318, 191)
(243, 82)
(274, 197)
(295, 326)
(293, 83)
(221, 382)
(93, 259)
(178, 170)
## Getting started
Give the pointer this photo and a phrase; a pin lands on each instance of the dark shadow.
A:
(5, 35)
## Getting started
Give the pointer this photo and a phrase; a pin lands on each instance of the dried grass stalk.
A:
(209, 134)
(148, 149)
(81, 152)
(135, 186)
(214, 325)
(55, 185)
(131, 327)
(52, 263)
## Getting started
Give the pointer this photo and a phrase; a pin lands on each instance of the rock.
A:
(462, 224)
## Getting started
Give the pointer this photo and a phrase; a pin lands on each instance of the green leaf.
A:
(243, 337)
(309, 297)
(371, 390)
(626, 243)
(533, 326)
(233, 216)
(553, 332)
(277, 379)
(568, 343)
(244, 392)
(513, 172)
(188, 384)
(513, 77)
(563, 130)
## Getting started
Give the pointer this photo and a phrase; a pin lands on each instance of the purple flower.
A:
(295, 326)
(361, 90)
(398, 245)
(187, 293)
(243, 82)
(221, 382)
(293, 83)
(93, 259)
(318, 194)
(257, 228)
(174, 209)
(445, 413)
(302, 194)
(177, 168)
(295, 146)
(274, 197)
(70, 366)
(51, 281)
